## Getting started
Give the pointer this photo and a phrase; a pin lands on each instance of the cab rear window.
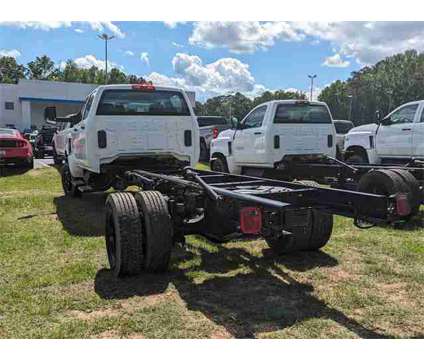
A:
(136, 102)
(302, 114)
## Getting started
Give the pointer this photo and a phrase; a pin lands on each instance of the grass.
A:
(55, 283)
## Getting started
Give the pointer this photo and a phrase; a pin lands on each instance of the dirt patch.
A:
(108, 334)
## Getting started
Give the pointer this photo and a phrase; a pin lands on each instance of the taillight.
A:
(250, 220)
(143, 87)
(402, 205)
(215, 133)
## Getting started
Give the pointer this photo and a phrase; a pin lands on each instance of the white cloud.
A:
(79, 31)
(222, 76)
(37, 25)
(144, 57)
(87, 61)
(53, 25)
(12, 53)
(335, 61)
(241, 37)
(367, 42)
(107, 25)
(173, 24)
(129, 53)
(177, 45)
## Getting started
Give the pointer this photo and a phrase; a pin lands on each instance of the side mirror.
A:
(378, 117)
(239, 125)
(50, 114)
(386, 121)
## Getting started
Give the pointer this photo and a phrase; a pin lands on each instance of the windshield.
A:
(343, 127)
(136, 102)
(302, 114)
(211, 120)
(7, 131)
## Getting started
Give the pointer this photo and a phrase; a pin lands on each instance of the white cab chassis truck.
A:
(124, 127)
(146, 136)
(274, 134)
(396, 139)
(296, 140)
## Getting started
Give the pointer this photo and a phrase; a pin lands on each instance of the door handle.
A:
(406, 129)
(258, 133)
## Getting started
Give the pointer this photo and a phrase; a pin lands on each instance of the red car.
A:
(15, 149)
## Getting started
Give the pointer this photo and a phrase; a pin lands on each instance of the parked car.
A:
(43, 143)
(124, 127)
(342, 128)
(209, 128)
(398, 138)
(274, 133)
(15, 149)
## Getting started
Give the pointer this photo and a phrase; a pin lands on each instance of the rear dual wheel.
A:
(69, 188)
(312, 236)
(138, 232)
(391, 182)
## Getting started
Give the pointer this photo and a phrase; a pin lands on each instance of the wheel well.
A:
(218, 155)
(356, 150)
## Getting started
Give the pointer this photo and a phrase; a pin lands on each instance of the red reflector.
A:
(402, 205)
(250, 220)
(143, 87)
(215, 133)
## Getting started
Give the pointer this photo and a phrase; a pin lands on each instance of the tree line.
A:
(44, 68)
(384, 86)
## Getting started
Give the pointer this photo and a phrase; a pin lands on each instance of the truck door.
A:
(394, 135)
(418, 136)
(249, 144)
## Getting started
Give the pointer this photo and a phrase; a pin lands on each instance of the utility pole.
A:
(106, 38)
(350, 106)
(312, 77)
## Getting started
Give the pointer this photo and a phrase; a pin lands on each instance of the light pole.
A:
(350, 106)
(312, 77)
(106, 38)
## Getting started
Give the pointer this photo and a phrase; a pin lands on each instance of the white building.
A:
(23, 104)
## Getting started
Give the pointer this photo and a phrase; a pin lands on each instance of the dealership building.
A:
(23, 105)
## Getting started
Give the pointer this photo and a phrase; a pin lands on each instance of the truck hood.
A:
(226, 134)
(371, 128)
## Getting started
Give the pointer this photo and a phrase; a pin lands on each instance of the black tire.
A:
(56, 159)
(219, 165)
(68, 187)
(384, 182)
(123, 235)
(313, 236)
(204, 152)
(415, 194)
(157, 230)
(357, 159)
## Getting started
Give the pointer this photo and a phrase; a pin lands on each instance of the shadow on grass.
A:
(82, 216)
(11, 171)
(261, 299)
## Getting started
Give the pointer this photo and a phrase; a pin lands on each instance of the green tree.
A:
(43, 68)
(10, 70)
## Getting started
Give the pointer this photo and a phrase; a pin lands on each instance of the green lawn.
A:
(55, 283)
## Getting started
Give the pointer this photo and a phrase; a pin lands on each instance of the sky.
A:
(218, 57)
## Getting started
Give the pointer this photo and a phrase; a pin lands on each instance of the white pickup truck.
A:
(125, 127)
(273, 133)
(397, 138)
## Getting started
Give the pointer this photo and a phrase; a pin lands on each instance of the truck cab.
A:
(123, 127)
(273, 133)
(397, 138)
